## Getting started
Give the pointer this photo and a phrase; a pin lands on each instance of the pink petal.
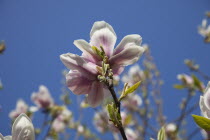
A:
(117, 70)
(102, 34)
(77, 83)
(87, 50)
(96, 96)
(134, 39)
(75, 62)
(129, 55)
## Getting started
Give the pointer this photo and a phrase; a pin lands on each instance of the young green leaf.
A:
(132, 88)
(161, 134)
(179, 86)
(202, 122)
(129, 90)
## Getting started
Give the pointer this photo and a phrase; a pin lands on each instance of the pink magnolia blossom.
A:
(131, 134)
(188, 80)
(42, 98)
(82, 78)
(135, 74)
(170, 128)
(205, 102)
(132, 102)
(21, 107)
(62, 120)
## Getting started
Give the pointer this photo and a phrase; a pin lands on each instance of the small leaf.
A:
(179, 86)
(128, 120)
(202, 122)
(114, 115)
(110, 109)
(132, 88)
(161, 134)
(129, 90)
(97, 51)
(197, 82)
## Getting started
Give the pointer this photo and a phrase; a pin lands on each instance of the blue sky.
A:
(37, 32)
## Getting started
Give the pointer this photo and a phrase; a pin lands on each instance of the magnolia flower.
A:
(100, 121)
(170, 128)
(204, 29)
(135, 74)
(205, 102)
(22, 129)
(132, 102)
(82, 78)
(80, 129)
(21, 107)
(131, 135)
(186, 79)
(42, 98)
(62, 120)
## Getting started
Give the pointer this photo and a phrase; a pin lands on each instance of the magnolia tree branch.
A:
(117, 104)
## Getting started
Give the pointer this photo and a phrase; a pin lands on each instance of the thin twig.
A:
(117, 103)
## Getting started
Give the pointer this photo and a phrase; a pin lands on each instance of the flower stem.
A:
(117, 104)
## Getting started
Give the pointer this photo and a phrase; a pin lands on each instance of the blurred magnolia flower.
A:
(21, 107)
(135, 74)
(131, 134)
(42, 98)
(170, 128)
(82, 78)
(100, 121)
(205, 102)
(62, 120)
(186, 79)
(22, 129)
(132, 102)
(190, 82)
(80, 129)
(204, 30)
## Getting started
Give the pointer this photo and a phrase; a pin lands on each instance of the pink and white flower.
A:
(204, 29)
(186, 79)
(82, 78)
(132, 102)
(42, 98)
(21, 107)
(62, 120)
(131, 134)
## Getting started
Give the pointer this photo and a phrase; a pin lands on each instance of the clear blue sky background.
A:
(37, 32)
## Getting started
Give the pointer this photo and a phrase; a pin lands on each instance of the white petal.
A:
(1, 137)
(22, 128)
(129, 55)
(100, 25)
(204, 23)
(102, 34)
(86, 49)
(204, 110)
(75, 62)
(207, 96)
(134, 38)
(8, 138)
